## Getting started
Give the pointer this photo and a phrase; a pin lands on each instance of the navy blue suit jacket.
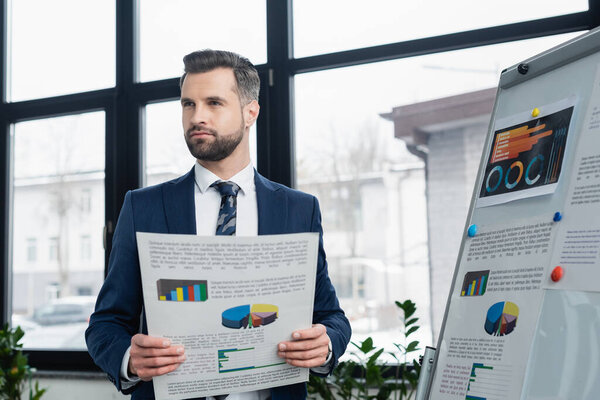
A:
(169, 208)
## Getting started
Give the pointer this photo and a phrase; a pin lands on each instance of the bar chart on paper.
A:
(181, 290)
(475, 283)
(231, 360)
(488, 382)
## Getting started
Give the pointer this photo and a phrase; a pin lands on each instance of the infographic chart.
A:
(501, 318)
(475, 283)
(488, 382)
(527, 155)
(181, 290)
(231, 360)
(249, 316)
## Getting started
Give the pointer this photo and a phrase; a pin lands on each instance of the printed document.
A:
(229, 301)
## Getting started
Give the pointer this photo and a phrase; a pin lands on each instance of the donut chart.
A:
(527, 155)
(501, 318)
(249, 316)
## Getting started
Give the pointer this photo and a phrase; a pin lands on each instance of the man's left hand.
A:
(308, 349)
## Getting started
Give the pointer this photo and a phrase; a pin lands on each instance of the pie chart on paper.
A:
(501, 318)
(249, 316)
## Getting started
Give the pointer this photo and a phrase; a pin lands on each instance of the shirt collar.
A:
(244, 179)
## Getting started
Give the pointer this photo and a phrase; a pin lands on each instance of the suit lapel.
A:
(178, 200)
(272, 206)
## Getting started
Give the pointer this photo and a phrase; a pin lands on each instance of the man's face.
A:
(212, 115)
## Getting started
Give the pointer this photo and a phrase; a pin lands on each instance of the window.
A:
(86, 200)
(86, 248)
(347, 24)
(372, 188)
(74, 40)
(31, 250)
(170, 30)
(50, 171)
(53, 249)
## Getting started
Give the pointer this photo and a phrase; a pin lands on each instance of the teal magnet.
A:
(472, 231)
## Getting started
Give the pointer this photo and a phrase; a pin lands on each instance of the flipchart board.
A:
(523, 316)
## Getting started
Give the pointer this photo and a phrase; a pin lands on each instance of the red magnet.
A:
(557, 274)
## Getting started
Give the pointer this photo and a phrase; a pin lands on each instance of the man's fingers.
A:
(303, 345)
(320, 352)
(156, 362)
(315, 362)
(153, 356)
(146, 368)
(147, 374)
(149, 341)
(310, 333)
(137, 351)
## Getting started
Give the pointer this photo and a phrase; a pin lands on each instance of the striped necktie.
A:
(228, 210)
(227, 219)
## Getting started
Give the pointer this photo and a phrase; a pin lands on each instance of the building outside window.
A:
(53, 249)
(86, 248)
(31, 250)
(51, 171)
(86, 200)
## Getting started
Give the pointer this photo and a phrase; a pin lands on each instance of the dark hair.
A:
(246, 76)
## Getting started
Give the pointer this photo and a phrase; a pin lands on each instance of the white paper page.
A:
(577, 247)
(229, 301)
(493, 312)
(527, 153)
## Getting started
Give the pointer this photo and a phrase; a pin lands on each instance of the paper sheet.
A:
(527, 153)
(493, 312)
(228, 301)
(577, 248)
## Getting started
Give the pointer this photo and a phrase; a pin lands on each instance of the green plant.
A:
(366, 377)
(14, 370)
(410, 376)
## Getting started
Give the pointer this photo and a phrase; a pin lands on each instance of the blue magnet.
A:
(472, 231)
(557, 216)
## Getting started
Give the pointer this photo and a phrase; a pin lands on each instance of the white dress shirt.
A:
(207, 201)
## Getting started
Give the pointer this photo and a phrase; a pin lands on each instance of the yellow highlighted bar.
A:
(162, 297)
(179, 294)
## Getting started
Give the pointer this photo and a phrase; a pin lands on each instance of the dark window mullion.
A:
(124, 164)
(454, 41)
(60, 105)
(594, 10)
(280, 160)
(5, 277)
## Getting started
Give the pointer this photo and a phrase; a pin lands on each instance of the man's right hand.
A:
(152, 356)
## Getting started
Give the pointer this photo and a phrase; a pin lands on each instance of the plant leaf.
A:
(374, 357)
(412, 346)
(367, 345)
(411, 330)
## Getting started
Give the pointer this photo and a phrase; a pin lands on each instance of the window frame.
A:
(123, 106)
